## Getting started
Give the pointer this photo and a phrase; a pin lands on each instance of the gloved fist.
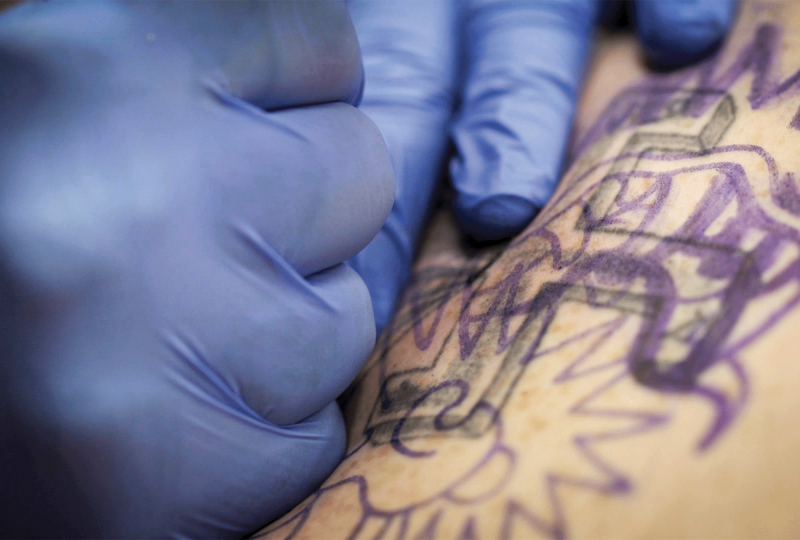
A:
(177, 320)
(521, 65)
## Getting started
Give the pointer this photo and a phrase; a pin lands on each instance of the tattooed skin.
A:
(624, 366)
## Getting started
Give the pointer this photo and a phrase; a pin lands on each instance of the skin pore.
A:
(627, 366)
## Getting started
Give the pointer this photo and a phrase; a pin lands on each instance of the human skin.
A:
(627, 366)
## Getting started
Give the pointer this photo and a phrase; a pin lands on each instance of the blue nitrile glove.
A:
(176, 320)
(409, 49)
(523, 61)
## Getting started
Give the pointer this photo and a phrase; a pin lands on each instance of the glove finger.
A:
(148, 462)
(314, 183)
(275, 54)
(385, 265)
(271, 54)
(252, 327)
(156, 414)
(409, 55)
(260, 472)
(526, 60)
(676, 32)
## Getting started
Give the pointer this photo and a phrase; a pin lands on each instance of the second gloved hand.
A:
(177, 320)
(522, 63)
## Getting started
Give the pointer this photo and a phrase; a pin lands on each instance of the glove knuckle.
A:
(342, 332)
(319, 340)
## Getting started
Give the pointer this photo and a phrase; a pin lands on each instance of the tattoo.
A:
(655, 99)
(675, 290)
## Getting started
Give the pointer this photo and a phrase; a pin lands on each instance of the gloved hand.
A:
(522, 62)
(177, 322)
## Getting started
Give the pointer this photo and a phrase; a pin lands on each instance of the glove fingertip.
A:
(679, 32)
(495, 218)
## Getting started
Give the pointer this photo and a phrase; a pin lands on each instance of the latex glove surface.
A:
(521, 67)
(176, 320)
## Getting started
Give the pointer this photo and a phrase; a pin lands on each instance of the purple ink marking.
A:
(468, 532)
(708, 336)
(515, 510)
(785, 194)
(671, 95)
(721, 258)
(295, 523)
(398, 430)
